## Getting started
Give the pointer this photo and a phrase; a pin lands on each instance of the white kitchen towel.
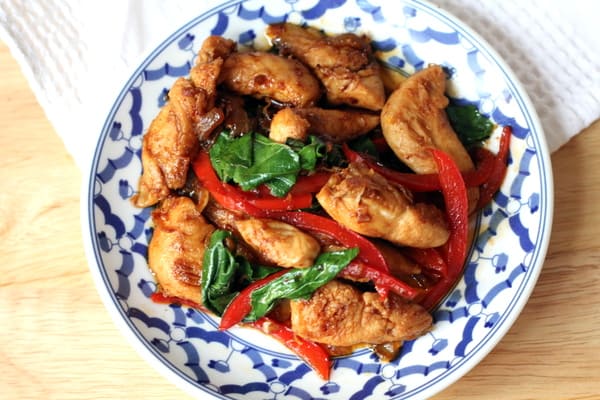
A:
(77, 54)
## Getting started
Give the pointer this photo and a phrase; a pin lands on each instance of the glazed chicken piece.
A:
(170, 143)
(414, 120)
(333, 125)
(172, 138)
(364, 201)
(279, 243)
(344, 63)
(175, 252)
(266, 75)
(338, 314)
(287, 124)
(214, 48)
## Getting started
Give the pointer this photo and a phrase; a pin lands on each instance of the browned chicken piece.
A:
(414, 120)
(333, 125)
(172, 138)
(170, 143)
(215, 47)
(338, 314)
(287, 124)
(344, 63)
(279, 243)
(226, 219)
(338, 125)
(266, 75)
(177, 247)
(365, 202)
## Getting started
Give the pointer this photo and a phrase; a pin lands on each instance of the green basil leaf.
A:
(471, 127)
(218, 271)
(299, 283)
(309, 153)
(224, 274)
(253, 159)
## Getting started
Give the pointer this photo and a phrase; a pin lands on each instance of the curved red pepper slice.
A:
(241, 304)
(234, 198)
(223, 193)
(384, 282)
(428, 182)
(310, 183)
(455, 199)
(312, 353)
(160, 298)
(430, 259)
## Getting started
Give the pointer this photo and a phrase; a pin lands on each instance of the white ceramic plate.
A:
(503, 265)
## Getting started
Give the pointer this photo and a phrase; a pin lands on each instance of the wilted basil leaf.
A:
(253, 159)
(224, 274)
(468, 123)
(299, 283)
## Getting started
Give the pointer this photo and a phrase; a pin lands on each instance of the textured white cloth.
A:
(77, 55)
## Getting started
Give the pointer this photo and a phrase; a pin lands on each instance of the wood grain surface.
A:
(58, 341)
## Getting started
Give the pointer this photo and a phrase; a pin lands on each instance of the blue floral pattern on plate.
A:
(502, 268)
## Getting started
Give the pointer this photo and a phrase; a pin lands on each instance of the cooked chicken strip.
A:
(414, 120)
(170, 143)
(215, 47)
(338, 314)
(279, 243)
(175, 252)
(338, 125)
(287, 124)
(268, 75)
(364, 201)
(344, 63)
(172, 138)
(331, 124)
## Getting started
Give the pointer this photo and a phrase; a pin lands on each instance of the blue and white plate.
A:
(504, 262)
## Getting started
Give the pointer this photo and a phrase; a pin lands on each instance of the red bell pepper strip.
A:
(310, 183)
(455, 199)
(484, 163)
(498, 172)
(427, 182)
(289, 202)
(312, 222)
(223, 193)
(312, 353)
(160, 298)
(241, 304)
(384, 282)
(430, 259)
(234, 198)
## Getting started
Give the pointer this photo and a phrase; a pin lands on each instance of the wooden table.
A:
(58, 341)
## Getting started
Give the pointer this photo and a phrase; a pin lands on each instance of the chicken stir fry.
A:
(177, 247)
(291, 191)
(339, 314)
(367, 203)
(343, 63)
(172, 139)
